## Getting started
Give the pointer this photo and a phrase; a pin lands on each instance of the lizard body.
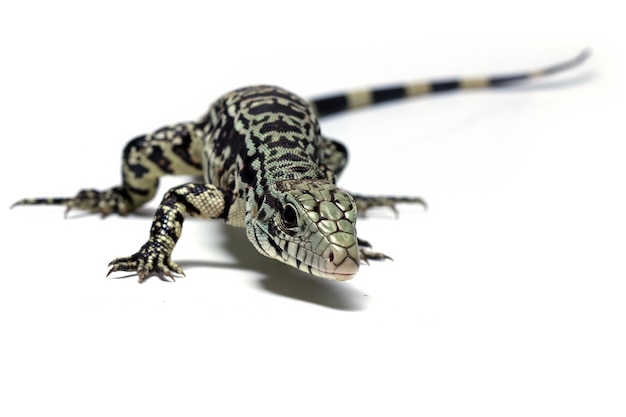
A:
(266, 167)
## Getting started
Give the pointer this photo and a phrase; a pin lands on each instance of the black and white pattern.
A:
(267, 167)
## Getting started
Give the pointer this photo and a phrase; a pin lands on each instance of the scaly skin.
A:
(266, 168)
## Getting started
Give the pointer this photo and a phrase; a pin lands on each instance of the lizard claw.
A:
(364, 203)
(148, 261)
(364, 243)
(366, 254)
(104, 202)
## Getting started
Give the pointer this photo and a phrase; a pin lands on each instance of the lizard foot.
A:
(364, 203)
(113, 200)
(151, 259)
(366, 253)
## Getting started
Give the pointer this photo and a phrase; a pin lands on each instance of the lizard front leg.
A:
(364, 203)
(154, 257)
(367, 254)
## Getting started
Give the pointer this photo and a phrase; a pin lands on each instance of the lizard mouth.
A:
(343, 276)
(337, 264)
(334, 275)
(338, 261)
(323, 267)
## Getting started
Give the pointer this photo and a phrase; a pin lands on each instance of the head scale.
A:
(308, 224)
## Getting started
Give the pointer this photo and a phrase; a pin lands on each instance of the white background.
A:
(507, 298)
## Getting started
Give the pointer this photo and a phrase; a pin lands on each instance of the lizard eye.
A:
(289, 217)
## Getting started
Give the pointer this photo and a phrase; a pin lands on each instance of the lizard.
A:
(265, 167)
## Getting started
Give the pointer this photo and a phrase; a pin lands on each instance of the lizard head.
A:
(308, 224)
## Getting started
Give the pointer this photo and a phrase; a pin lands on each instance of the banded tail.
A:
(363, 98)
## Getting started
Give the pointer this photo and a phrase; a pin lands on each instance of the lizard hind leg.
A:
(170, 150)
(112, 200)
(334, 158)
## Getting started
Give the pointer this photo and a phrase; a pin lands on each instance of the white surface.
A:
(506, 298)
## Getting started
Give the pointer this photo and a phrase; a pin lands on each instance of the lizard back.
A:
(259, 135)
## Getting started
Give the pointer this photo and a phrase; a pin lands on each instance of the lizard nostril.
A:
(331, 257)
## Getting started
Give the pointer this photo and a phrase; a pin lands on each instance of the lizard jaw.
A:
(336, 263)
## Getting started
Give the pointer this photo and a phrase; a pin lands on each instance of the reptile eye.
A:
(289, 217)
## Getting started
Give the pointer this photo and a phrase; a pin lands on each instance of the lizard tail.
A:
(362, 98)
